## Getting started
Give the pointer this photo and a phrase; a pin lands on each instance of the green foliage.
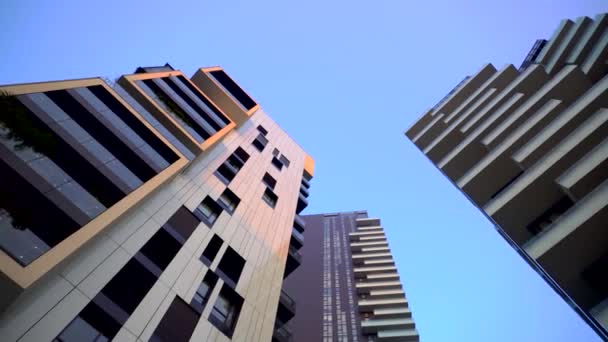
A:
(175, 109)
(19, 217)
(15, 120)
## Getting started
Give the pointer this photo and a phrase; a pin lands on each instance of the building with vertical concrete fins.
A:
(529, 147)
(154, 208)
(347, 288)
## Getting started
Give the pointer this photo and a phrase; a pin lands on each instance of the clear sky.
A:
(345, 79)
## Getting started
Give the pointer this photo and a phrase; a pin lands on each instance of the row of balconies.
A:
(381, 300)
(531, 149)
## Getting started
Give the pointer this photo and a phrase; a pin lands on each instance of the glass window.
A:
(270, 198)
(260, 142)
(226, 310)
(21, 243)
(284, 160)
(229, 201)
(202, 294)
(277, 163)
(177, 324)
(269, 181)
(230, 267)
(211, 250)
(208, 211)
(262, 130)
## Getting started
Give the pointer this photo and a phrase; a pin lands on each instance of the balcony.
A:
(374, 269)
(297, 239)
(173, 104)
(302, 203)
(401, 335)
(226, 93)
(286, 309)
(374, 325)
(367, 236)
(294, 259)
(367, 304)
(80, 157)
(305, 183)
(535, 191)
(299, 224)
(367, 222)
(392, 313)
(359, 246)
(282, 333)
(365, 287)
(304, 192)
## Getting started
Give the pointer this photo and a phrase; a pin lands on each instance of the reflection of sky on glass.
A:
(345, 79)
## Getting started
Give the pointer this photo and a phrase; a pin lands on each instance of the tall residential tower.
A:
(348, 288)
(529, 147)
(156, 208)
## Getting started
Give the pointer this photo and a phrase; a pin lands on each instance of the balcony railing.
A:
(295, 254)
(286, 300)
(282, 333)
(299, 223)
(297, 238)
(302, 203)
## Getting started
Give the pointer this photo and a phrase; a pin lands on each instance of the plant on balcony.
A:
(18, 127)
(175, 109)
(19, 217)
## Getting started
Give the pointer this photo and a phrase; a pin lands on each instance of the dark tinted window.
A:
(125, 115)
(233, 164)
(208, 211)
(202, 294)
(24, 211)
(161, 249)
(260, 142)
(176, 110)
(595, 275)
(229, 201)
(277, 163)
(91, 325)
(241, 154)
(183, 222)
(202, 113)
(202, 98)
(102, 134)
(233, 88)
(284, 160)
(262, 130)
(211, 250)
(269, 180)
(129, 286)
(226, 311)
(230, 267)
(270, 197)
(177, 324)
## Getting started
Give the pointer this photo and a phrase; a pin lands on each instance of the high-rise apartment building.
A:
(158, 208)
(347, 288)
(529, 147)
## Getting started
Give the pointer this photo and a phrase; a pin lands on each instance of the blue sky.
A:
(345, 79)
